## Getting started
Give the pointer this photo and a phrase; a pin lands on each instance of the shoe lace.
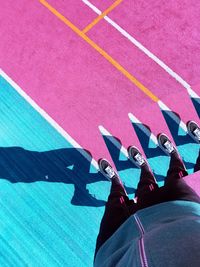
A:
(110, 172)
(168, 145)
(139, 158)
(197, 133)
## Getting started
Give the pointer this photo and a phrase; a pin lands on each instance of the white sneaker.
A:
(193, 130)
(107, 170)
(165, 144)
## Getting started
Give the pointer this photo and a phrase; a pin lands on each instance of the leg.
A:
(176, 169)
(116, 213)
(147, 181)
(175, 187)
(147, 189)
(197, 165)
(117, 208)
(194, 131)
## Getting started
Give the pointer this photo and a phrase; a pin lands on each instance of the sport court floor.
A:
(60, 80)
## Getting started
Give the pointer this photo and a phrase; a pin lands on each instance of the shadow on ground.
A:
(187, 147)
(152, 151)
(65, 165)
(120, 160)
(196, 103)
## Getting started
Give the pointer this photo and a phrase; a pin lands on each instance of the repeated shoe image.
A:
(106, 169)
(165, 144)
(193, 130)
(136, 156)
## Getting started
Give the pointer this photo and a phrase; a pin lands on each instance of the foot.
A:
(166, 145)
(107, 170)
(194, 130)
(136, 157)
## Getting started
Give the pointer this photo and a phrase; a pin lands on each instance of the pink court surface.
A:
(78, 86)
(87, 64)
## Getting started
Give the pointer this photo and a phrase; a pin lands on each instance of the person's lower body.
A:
(175, 188)
(117, 211)
(147, 192)
(118, 207)
(147, 188)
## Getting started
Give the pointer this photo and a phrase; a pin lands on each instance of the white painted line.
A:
(140, 46)
(133, 118)
(183, 126)
(115, 142)
(163, 106)
(172, 115)
(51, 121)
(143, 128)
(139, 124)
(192, 93)
(90, 5)
(154, 139)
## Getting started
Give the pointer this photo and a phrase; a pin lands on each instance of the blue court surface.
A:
(49, 212)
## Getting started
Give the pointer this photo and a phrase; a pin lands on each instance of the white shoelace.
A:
(168, 145)
(139, 158)
(197, 133)
(110, 172)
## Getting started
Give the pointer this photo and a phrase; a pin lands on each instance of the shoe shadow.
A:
(147, 140)
(66, 165)
(174, 122)
(196, 104)
(128, 172)
(157, 159)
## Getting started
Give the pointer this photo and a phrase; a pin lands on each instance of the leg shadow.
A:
(126, 169)
(158, 161)
(196, 103)
(67, 165)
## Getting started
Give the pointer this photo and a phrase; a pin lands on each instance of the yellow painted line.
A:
(101, 51)
(100, 17)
